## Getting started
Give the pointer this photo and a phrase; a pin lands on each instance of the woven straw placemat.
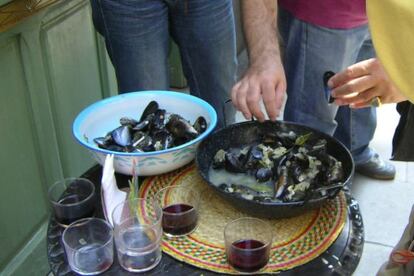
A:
(296, 240)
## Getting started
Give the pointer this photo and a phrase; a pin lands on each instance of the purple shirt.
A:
(336, 14)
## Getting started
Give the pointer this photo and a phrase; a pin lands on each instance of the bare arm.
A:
(260, 29)
(265, 77)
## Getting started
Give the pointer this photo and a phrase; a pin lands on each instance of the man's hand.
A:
(265, 78)
(265, 81)
(357, 85)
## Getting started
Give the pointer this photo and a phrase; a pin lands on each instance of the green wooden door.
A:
(52, 66)
(23, 206)
(72, 71)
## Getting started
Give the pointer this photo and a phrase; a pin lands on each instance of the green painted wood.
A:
(31, 259)
(22, 202)
(69, 45)
(51, 69)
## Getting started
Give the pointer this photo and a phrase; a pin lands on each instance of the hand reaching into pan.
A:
(364, 84)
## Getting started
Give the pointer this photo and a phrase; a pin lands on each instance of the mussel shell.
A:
(296, 172)
(177, 141)
(282, 183)
(101, 142)
(126, 121)
(179, 127)
(271, 139)
(264, 174)
(200, 124)
(114, 147)
(122, 136)
(254, 155)
(233, 163)
(141, 141)
(151, 108)
(164, 138)
(287, 139)
(148, 148)
(158, 122)
(144, 124)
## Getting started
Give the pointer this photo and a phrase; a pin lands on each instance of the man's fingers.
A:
(269, 99)
(242, 100)
(280, 95)
(234, 93)
(253, 100)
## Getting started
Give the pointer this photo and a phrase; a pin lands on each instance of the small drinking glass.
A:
(248, 241)
(138, 234)
(72, 199)
(89, 246)
(180, 210)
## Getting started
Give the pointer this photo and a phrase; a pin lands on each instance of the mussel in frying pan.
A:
(291, 165)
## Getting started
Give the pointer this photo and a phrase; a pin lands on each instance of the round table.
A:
(341, 258)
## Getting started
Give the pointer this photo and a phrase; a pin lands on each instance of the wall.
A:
(52, 66)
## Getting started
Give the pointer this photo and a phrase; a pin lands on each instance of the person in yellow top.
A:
(387, 79)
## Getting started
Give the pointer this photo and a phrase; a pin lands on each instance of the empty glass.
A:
(180, 209)
(89, 246)
(72, 199)
(138, 234)
(248, 241)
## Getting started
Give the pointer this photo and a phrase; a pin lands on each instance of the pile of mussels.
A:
(296, 167)
(155, 130)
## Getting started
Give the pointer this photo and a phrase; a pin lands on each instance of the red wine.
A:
(179, 219)
(245, 260)
(67, 211)
(70, 199)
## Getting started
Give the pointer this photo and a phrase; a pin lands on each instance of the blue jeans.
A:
(137, 35)
(309, 52)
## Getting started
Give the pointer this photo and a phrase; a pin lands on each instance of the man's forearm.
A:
(260, 29)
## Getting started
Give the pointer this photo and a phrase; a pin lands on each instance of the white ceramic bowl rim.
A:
(90, 109)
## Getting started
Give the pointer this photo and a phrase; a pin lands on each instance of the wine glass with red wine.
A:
(248, 242)
(72, 199)
(180, 210)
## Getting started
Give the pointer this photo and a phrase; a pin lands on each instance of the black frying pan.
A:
(245, 133)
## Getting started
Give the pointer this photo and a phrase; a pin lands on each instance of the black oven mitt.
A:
(403, 141)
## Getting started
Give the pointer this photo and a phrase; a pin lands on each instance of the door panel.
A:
(73, 72)
(22, 202)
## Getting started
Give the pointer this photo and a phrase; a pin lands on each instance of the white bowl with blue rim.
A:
(103, 116)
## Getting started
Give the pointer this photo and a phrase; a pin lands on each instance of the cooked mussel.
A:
(151, 108)
(126, 121)
(155, 130)
(122, 136)
(179, 127)
(264, 174)
(293, 164)
(200, 125)
(233, 163)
